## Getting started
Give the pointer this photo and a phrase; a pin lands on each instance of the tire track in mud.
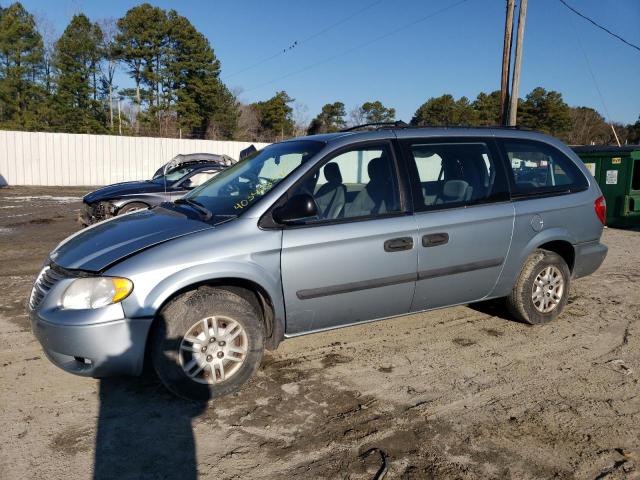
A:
(324, 430)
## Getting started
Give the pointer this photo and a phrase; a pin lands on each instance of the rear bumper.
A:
(589, 257)
(114, 347)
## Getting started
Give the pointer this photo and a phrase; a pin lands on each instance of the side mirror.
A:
(297, 208)
(188, 184)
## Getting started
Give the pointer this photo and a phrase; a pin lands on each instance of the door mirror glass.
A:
(299, 207)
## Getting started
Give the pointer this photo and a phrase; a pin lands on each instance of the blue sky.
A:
(458, 51)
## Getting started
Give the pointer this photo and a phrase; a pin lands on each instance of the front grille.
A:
(47, 278)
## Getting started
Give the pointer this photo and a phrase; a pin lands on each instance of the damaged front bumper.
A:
(95, 212)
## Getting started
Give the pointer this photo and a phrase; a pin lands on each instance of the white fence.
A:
(34, 158)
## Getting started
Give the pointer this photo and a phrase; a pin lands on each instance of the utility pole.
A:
(506, 63)
(119, 119)
(513, 108)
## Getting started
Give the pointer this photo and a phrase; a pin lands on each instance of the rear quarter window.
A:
(538, 168)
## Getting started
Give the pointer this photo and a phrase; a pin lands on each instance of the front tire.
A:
(207, 343)
(542, 289)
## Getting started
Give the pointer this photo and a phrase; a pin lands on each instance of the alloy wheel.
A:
(213, 349)
(548, 288)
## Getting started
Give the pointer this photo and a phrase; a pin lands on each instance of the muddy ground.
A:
(455, 393)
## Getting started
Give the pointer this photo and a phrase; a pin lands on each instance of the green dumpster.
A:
(617, 171)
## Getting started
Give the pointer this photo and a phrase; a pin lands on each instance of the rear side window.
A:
(539, 168)
(455, 174)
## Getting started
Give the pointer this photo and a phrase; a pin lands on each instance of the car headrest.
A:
(332, 173)
(455, 189)
(378, 169)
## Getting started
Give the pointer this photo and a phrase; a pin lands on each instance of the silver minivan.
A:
(317, 233)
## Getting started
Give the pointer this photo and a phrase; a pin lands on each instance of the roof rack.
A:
(490, 127)
(401, 124)
(379, 125)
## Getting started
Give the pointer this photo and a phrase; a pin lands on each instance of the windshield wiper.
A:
(196, 205)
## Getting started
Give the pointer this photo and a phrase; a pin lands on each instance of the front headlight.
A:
(96, 292)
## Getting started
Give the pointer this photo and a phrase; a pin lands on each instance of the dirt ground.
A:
(455, 393)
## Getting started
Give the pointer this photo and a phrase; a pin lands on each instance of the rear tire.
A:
(132, 207)
(542, 289)
(207, 343)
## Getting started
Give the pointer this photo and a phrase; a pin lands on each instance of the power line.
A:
(590, 69)
(357, 47)
(593, 78)
(599, 26)
(296, 44)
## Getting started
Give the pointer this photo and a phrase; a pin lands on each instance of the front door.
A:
(357, 260)
(464, 219)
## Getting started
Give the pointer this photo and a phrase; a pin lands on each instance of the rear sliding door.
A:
(464, 218)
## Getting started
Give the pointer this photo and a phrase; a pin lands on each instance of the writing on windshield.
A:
(240, 186)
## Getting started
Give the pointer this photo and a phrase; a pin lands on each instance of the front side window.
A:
(539, 168)
(237, 188)
(454, 174)
(357, 183)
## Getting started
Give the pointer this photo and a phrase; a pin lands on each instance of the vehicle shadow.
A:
(144, 431)
(495, 308)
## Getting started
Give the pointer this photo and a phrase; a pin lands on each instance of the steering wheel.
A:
(229, 189)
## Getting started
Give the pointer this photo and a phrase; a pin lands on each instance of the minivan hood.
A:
(121, 189)
(101, 245)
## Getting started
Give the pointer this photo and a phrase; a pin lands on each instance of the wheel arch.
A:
(564, 248)
(255, 292)
(558, 240)
(127, 203)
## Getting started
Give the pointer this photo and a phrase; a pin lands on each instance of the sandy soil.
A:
(455, 393)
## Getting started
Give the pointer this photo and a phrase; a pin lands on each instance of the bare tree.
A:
(588, 127)
(49, 37)
(300, 119)
(356, 116)
(110, 54)
(248, 124)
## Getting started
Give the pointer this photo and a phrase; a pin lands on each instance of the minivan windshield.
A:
(235, 189)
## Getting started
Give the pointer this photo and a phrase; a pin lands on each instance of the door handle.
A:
(435, 239)
(398, 244)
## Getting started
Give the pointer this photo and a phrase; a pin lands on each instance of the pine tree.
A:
(21, 55)
(445, 110)
(487, 107)
(545, 111)
(204, 106)
(77, 55)
(330, 119)
(372, 112)
(275, 117)
(142, 43)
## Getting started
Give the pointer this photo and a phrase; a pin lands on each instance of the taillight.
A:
(601, 209)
